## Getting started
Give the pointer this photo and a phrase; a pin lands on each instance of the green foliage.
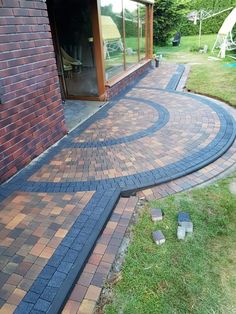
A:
(167, 17)
(211, 4)
(209, 26)
(170, 16)
(108, 11)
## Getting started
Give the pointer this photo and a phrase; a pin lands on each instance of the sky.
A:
(130, 5)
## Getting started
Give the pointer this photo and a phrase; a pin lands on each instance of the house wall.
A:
(116, 88)
(31, 112)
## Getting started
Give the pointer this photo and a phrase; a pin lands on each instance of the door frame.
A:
(97, 51)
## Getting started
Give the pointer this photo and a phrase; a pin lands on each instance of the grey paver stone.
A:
(31, 297)
(188, 226)
(181, 233)
(49, 294)
(57, 279)
(183, 216)
(42, 305)
(158, 237)
(24, 308)
(156, 214)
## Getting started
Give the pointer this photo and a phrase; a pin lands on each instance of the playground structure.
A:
(226, 34)
(111, 36)
(224, 40)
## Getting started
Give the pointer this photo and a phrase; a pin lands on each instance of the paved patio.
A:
(77, 111)
(53, 212)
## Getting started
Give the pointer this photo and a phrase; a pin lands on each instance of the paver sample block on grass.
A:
(156, 214)
(181, 233)
(187, 225)
(182, 216)
(158, 237)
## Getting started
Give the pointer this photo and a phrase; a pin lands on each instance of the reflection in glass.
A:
(75, 41)
(142, 30)
(131, 32)
(112, 31)
(124, 34)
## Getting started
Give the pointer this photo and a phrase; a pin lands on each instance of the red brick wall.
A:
(31, 112)
(115, 89)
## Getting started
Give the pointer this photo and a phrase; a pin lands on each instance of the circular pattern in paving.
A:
(124, 123)
(148, 137)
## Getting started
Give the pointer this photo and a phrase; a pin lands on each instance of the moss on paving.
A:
(193, 276)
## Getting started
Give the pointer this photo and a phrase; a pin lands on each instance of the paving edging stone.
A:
(51, 288)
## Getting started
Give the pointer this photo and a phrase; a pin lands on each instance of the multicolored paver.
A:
(32, 227)
(53, 212)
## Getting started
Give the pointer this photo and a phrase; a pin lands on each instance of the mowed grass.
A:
(214, 80)
(197, 275)
(188, 43)
(207, 77)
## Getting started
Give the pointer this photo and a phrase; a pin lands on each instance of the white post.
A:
(200, 29)
(222, 49)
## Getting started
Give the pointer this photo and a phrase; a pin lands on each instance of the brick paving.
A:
(199, 127)
(55, 210)
(32, 227)
(207, 174)
(87, 290)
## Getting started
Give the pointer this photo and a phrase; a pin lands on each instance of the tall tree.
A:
(212, 4)
(167, 16)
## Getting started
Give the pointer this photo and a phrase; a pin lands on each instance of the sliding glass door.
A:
(75, 46)
(112, 34)
(131, 32)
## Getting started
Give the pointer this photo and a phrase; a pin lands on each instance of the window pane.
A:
(142, 30)
(131, 32)
(112, 30)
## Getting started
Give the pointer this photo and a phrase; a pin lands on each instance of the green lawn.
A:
(207, 77)
(193, 276)
(188, 43)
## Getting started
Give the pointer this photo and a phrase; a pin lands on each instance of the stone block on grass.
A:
(158, 237)
(188, 226)
(156, 214)
(183, 216)
(181, 232)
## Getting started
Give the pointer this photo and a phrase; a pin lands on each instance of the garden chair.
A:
(176, 40)
(204, 49)
(68, 60)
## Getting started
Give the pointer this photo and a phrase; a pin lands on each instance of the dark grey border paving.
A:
(174, 81)
(54, 283)
(163, 118)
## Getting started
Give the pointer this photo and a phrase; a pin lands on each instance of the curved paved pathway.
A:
(149, 135)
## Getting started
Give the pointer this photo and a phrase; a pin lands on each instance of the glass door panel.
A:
(112, 33)
(142, 30)
(75, 36)
(131, 32)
